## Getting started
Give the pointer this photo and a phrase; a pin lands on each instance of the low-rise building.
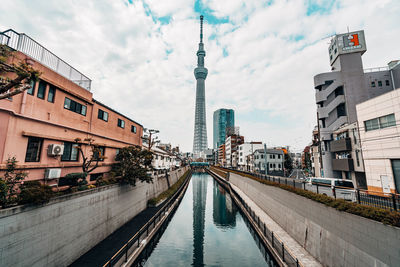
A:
(380, 141)
(39, 126)
(272, 159)
(244, 150)
(221, 155)
(231, 145)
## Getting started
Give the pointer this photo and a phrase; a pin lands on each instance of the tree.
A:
(21, 75)
(133, 163)
(8, 184)
(288, 163)
(95, 155)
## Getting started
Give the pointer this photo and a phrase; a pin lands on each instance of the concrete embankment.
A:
(61, 231)
(334, 238)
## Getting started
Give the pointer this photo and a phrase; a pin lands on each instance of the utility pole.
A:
(265, 159)
(151, 141)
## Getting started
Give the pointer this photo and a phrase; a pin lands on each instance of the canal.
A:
(207, 229)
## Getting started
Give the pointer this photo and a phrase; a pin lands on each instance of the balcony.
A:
(341, 145)
(342, 165)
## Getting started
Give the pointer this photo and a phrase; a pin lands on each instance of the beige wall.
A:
(381, 145)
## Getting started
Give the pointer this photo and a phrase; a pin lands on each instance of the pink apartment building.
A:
(39, 126)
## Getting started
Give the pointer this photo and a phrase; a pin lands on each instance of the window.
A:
(279, 165)
(372, 84)
(70, 152)
(270, 156)
(117, 151)
(262, 156)
(31, 90)
(51, 94)
(33, 149)
(273, 156)
(100, 153)
(102, 115)
(380, 83)
(358, 158)
(74, 106)
(274, 165)
(133, 129)
(121, 123)
(380, 123)
(279, 156)
(41, 89)
(341, 110)
(387, 83)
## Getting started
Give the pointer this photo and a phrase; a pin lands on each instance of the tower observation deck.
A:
(200, 73)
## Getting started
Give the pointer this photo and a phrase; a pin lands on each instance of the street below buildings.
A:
(297, 174)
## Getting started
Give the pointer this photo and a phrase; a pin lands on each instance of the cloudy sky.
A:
(261, 56)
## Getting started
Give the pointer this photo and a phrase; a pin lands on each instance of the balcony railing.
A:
(341, 145)
(28, 46)
(343, 165)
(376, 69)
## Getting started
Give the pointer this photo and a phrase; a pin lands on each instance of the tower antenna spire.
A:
(201, 28)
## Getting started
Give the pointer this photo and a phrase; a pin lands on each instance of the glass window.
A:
(31, 90)
(51, 94)
(380, 123)
(133, 129)
(70, 152)
(121, 123)
(33, 149)
(380, 83)
(102, 115)
(101, 152)
(41, 89)
(371, 125)
(387, 82)
(74, 106)
(372, 84)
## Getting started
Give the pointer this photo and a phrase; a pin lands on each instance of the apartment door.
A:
(396, 173)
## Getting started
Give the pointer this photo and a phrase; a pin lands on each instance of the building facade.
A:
(244, 150)
(270, 159)
(40, 126)
(339, 91)
(379, 127)
(231, 146)
(222, 119)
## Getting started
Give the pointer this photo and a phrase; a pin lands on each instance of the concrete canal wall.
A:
(59, 232)
(334, 238)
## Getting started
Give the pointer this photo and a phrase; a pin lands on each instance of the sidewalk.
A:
(295, 248)
(103, 251)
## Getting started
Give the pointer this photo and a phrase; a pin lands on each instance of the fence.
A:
(28, 46)
(378, 200)
(134, 243)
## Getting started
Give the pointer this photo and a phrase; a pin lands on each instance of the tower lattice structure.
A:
(200, 73)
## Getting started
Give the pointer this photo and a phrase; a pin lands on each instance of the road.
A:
(297, 174)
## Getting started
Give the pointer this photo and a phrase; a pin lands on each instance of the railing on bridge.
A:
(23, 43)
(364, 197)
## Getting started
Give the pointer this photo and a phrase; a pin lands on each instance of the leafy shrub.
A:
(82, 187)
(74, 179)
(33, 192)
(91, 186)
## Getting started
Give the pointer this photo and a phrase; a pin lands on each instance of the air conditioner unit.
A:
(55, 150)
(52, 173)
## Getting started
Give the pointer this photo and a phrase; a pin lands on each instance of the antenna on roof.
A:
(348, 31)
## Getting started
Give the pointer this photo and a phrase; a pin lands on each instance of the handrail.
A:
(25, 44)
(123, 250)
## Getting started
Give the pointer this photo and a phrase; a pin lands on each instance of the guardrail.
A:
(134, 243)
(378, 199)
(23, 43)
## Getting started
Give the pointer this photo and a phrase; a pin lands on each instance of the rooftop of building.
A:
(113, 110)
(270, 151)
(26, 45)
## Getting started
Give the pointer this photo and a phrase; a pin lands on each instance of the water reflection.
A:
(199, 209)
(207, 230)
(224, 213)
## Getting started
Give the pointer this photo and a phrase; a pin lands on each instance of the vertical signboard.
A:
(385, 183)
(347, 43)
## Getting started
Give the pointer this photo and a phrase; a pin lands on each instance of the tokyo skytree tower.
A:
(200, 127)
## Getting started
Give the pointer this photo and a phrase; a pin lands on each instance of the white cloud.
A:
(144, 68)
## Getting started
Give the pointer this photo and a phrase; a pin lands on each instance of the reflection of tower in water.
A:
(224, 213)
(199, 183)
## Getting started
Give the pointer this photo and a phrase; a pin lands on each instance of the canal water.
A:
(207, 229)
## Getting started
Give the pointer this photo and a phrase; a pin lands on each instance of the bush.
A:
(74, 179)
(33, 192)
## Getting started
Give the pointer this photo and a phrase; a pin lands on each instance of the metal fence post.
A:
(279, 180)
(297, 262)
(283, 252)
(394, 201)
(334, 191)
(358, 196)
(304, 186)
(317, 189)
(286, 181)
(272, 233)
(294, 184)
